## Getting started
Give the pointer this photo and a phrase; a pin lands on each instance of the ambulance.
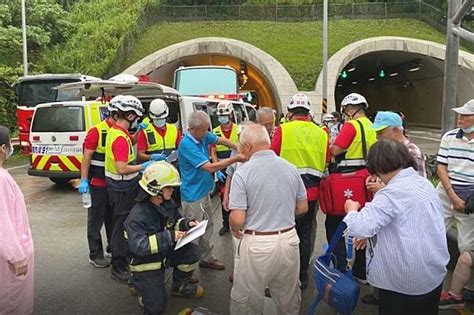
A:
(58, 129)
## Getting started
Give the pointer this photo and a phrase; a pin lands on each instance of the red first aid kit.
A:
(338, 187)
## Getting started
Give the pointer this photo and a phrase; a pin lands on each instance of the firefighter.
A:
(159, 138)
(121, 176)
(152, 228)
(349, 154)
(228, 130)
(93, 181)
(304, 144)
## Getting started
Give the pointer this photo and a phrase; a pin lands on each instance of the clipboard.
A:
(192, 234)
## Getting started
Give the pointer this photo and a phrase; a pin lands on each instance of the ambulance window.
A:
(59, 119)
(239, 114)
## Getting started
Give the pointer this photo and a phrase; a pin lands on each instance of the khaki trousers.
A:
(194, 210)
(262, 261)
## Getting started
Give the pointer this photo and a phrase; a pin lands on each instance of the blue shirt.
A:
(192, 154)
(407, 252)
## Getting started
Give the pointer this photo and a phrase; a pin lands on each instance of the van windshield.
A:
(59, 119)
(206, 81)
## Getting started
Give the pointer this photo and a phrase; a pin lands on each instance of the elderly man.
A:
(266, 118)
(197, 180)
(263, 206)
(456, 174)
(389, 125)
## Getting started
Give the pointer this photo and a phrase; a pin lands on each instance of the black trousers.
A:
(304, 227)
(339, 258)
(121, 202)
(393, 303)
(100, 213)
(150, 285)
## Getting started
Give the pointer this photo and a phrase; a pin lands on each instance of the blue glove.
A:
(83, 186)
(145, 165)
(158, 157)
(142, 126)
(221, 176)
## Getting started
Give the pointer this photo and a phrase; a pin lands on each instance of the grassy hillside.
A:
(298, 46)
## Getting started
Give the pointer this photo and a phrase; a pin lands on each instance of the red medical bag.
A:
(338, 187)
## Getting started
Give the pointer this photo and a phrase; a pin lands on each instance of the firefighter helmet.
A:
(158, 109)
(299, 100)
(159, 175)
(129, 103)
(224, 108)
(354, 99)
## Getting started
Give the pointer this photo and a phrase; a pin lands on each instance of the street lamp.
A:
(325, 57)
(23, 28)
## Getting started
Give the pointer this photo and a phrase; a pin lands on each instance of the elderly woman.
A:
(407, 250)
(16, 246)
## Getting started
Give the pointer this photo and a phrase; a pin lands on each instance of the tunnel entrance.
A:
(250, 79)
(395, 80)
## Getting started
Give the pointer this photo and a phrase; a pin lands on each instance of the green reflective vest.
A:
(304, 145)
(354, 155)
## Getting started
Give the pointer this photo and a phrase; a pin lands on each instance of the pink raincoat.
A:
(16, 244)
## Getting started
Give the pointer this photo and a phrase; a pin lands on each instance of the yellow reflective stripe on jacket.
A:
(110, 167)
(354, 151)
(153, 244)
(187, 268)
(304, 145)
(176, 225)
(146, 267)
(160, 143)
(233, 137)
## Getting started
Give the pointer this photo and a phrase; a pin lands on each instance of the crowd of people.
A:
(268, 180)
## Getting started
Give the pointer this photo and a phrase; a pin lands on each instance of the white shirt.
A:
(409, 252)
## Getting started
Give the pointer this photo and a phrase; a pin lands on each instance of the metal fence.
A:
(285, 13)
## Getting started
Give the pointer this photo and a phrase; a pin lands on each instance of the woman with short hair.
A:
(407, 249)
(16, 246)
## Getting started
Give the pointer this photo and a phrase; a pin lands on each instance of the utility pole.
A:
(325, 58)
(25, 46)
(454, 31)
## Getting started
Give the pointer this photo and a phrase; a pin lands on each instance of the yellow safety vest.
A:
(110, 167)
(98, 158)
(233, 137)
(156, 143)
(304, 145)
(354, 155)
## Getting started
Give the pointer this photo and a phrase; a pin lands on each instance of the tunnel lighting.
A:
(339, 85)
(381, 73)
(354, 82)
(344, 74)
(414, 69)
(394, 74)
(351, 69)
(371, 79)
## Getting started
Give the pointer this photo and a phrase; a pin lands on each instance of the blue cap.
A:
(386, 119)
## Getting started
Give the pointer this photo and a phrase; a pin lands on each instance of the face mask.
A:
(330, 124)
(160, 123)
(468, 129)
(223, 119)
(134, 124)
(10, 152)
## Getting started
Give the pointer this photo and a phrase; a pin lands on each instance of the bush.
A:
(100, 27)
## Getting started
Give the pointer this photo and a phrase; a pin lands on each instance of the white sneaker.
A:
(107, 255)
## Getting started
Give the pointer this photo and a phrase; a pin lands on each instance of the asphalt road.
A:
(66, 284)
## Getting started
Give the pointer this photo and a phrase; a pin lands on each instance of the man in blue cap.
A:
(389, 125)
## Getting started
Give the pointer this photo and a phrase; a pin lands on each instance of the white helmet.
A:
(354, 99)
(224, 108)
(129, 103)
(158, 109)
(112, 107)
(328, 117)
(299, 100)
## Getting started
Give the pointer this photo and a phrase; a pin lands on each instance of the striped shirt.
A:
(457, 153)
(409, 253)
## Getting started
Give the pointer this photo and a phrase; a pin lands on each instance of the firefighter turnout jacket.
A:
(150, 232)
